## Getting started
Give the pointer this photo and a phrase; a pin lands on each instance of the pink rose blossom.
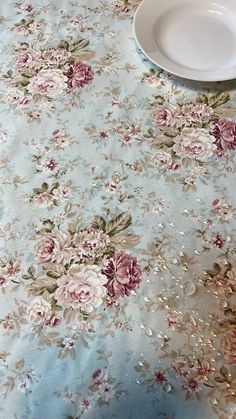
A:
(123, 273)
(224, 132)
(55, 248)
(79, 74)
(167, 117)
(24, 60)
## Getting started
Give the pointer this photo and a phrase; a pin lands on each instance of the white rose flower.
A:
(39, 311)
(91, 243)
(194, 144)
(61, 193)
(82, 288)
(196, 113)
(47, 83)
(17, 97)
(162, 159)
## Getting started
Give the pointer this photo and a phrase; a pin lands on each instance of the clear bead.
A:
(189, 288)
(148, 332)
(167, 387)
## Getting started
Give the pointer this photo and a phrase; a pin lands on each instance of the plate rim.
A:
(175, 73)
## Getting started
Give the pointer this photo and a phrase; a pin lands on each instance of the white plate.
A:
(194, 39)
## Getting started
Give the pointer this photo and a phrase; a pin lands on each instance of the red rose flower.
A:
(79, 74)
(123, 273)
(224, 132)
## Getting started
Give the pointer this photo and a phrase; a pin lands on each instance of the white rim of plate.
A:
(165, 63)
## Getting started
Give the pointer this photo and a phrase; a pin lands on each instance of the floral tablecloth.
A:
(118, 208)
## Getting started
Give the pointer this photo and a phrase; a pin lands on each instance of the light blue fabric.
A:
(117, 230)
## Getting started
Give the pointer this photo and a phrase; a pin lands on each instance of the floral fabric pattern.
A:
(118, 211)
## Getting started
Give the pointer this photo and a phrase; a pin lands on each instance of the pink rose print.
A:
(25, 60)
(79, 74)
(224, 132)
(123, 273)
(55, 248)
(167, 117)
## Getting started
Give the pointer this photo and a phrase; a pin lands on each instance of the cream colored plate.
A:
(194, 39)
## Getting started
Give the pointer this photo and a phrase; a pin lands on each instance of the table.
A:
(118, 210)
